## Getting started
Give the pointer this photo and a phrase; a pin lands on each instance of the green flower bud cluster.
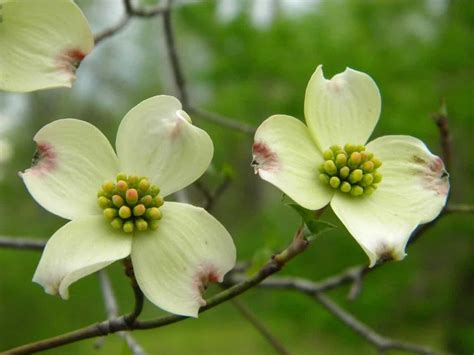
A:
(351, 169)
(131, 203)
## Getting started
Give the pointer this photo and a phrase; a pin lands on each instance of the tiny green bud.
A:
(153, 213)
(334, 182)
(355, 176)
(350, 148)
(147, 200)
(153, 224)
(128, 227)
(354, 160)
(335, 148)
(125, 212)
(121, 176)
(131, 196)
(122, 186)
(341, 160)
(108, 187)
(110, 213)
(345, 187)
(370, 155)
(369, 190)
(344, 172)
(104, 202)
(139, 210)
(324, 178)
(117, 200)
(377, 177)
(360, 148)
(328, 154)
(141, 224)
(133, 180)
(330, 167)
(368, 166)
(377, 162)
(155, 190)
(367, 179)
(364, 156)
(101, 193)
(116, 223)
(158, 201)
(357, 190)
(143, 185)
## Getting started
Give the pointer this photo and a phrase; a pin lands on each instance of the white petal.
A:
(157, 139)
(174, 263)
(285, 155)
(73, 160)
(78, 249)
(413, 191)
(42, 43)
(344, 109)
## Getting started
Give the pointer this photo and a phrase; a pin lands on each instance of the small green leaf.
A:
(314, 226)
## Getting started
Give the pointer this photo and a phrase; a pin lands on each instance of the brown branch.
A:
(442, 121)
(380, 342)
(22, 243)
(298, 245)
(173, 56)
(111, 307)
(139, 298)
(211, 197)
(261, 328)
(223, 120)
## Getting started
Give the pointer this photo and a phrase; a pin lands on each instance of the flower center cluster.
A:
(130, 203)
(351, 169)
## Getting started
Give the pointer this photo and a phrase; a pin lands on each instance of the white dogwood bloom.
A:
(381, 191)
(42, 43)
(175, 248)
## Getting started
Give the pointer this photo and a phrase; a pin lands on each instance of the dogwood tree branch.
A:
(260, 327)
(442, 121)
(22, 243)
(223, 121)
(111, 307)
(277, 262)
(380, 342)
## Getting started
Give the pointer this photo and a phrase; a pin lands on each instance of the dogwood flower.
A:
(381, 191)
(116, 209)
(42, 42)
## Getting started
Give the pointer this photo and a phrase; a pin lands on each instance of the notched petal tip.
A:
(44, 159)
(385, 253)
(264, 158)
(433, 174)
(68, 61)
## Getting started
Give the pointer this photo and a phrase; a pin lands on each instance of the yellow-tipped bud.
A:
(344, 172)
(345, 187)
(139, 210)
(367, 180)
(122, 186)
(334, 182)
(324, 178)
(153, 213)
(108, 187)
(356, 176)
(121, 176)
(330, 167)
(125, 212)
(110, 213)
(354, 160)
(128, 227)
(116, 223)
(131, 196)
(335, 148)
(153, 225)
(377, 177)
(341, 160)
(104, 202)
(328, 154)
(141, 224)
(357, 190)
(143, 185)
(368, 166)
(147, 200)
(133, 180)
(117, 200)
(158, 201)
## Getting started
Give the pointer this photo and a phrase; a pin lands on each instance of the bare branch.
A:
(173, 56)
(22, 243)
(223, 120)
(298, 245)
(442, 121)
(380, 342)
(459, 208)
(99, 37)
(112, 312)
(262, 329)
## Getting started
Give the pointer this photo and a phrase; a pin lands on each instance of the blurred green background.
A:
(249, 60)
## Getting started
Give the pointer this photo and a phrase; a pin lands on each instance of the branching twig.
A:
(298, 245)
(223, 121)
(262, 329)
(112, 312)
(22, 243)
(382, 343)
(441, 120)
(211, 197)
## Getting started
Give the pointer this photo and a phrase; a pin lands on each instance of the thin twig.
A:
(173, 56)
(459, 208)
(380, 342)
(211, 197)
(262, 329)
(442, 121)
(112, 312)
(298, 245)
(22, 243)
(223, 120)
(139, 298)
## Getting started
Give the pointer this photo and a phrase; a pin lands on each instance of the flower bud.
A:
(345, 187)
(104, 202)
(110, 213)
(117, 200)
(131, 196)
(128, 227)
(139, 210)
(153, 213)
(125, 212)
(141, 224)
(330, 167)
(334, 182)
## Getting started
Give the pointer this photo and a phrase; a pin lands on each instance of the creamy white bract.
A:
(174, 260)
(42, 43)
(343, 111)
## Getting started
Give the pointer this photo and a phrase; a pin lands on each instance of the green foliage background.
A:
(417, 51)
